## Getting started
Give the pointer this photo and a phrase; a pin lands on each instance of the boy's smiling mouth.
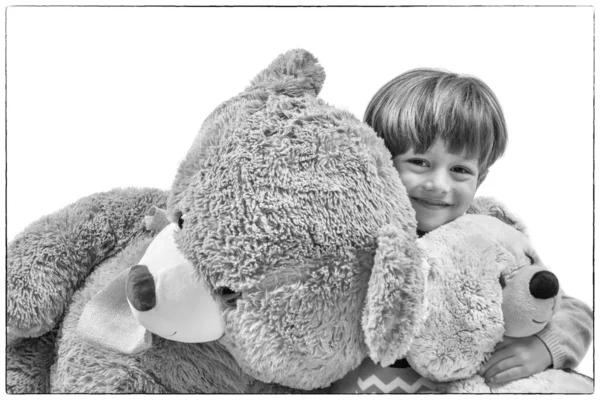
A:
(430, 203)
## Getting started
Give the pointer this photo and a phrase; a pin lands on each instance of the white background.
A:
(113, 97)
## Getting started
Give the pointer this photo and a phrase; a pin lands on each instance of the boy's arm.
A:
(561, 344)
(569, 334)
(566, 338)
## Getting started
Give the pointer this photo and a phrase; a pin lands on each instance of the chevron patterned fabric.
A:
(373, 378)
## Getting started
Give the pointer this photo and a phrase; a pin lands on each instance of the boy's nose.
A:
(438, 181)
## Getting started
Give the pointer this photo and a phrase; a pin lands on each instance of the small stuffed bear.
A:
(287, 214)
(484, 281)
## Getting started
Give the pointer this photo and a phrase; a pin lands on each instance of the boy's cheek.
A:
(409, 179)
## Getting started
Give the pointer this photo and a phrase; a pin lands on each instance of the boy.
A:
(444, 131)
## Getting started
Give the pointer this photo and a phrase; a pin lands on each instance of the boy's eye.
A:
(461, 170)
(417, 161)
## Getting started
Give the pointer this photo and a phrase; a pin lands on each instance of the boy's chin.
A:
(430, 225)
(428, 220)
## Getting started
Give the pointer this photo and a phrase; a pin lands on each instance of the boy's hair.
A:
(412, 110)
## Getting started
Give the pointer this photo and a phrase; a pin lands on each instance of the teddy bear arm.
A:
(51, 258)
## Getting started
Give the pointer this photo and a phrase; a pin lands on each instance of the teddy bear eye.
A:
(229, 297)
(180, 222)
(530, 259)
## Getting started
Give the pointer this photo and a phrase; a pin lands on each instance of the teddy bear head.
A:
(278, 206)
(485, 281)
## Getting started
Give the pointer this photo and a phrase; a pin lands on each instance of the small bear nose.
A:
(543, 285)
(140, 288)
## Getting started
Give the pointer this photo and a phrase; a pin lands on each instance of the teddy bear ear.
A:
(484, 205)
(294, 73)
(394, 305)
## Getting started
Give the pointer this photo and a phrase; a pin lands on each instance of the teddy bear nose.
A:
(543, 285)
(140, 288)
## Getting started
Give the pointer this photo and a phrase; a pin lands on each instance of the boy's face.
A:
(440, 185)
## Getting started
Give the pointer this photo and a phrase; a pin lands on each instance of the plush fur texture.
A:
(281, 197)
(464, 318)
(396, 299)
(28, 363)
(284, 192)
(291, 204)
(550, 381)
(51, 258)
(166, 368)
(465, 304)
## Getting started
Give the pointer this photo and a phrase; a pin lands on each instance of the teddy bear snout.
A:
(141, 290)
(543, 285)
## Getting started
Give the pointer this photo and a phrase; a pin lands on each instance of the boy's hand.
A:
(516, 358)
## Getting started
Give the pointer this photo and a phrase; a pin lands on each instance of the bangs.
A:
(463, 123)
(420, 106)
(455, 111)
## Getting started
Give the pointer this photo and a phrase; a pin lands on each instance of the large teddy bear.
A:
(296, 228)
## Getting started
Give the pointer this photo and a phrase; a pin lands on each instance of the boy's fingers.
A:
(499, 368)
(498, 356)
(508, 375)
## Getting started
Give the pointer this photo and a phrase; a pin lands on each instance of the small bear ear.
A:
(484, 205)
(394, 306)
(294, 73)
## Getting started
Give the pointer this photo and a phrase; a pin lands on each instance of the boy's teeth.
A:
(432, 202)
(435, 203)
